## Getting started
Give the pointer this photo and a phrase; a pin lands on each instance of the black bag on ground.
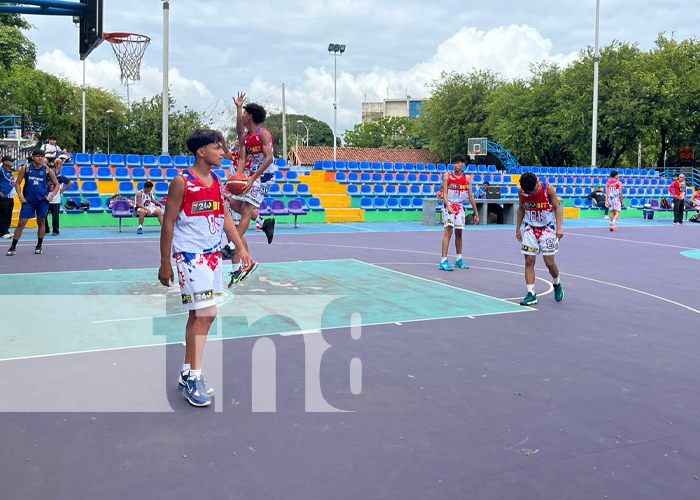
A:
(695, 218)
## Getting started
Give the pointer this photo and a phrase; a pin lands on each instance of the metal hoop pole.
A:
(166, 48)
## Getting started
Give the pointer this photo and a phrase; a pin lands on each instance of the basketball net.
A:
(129, 49)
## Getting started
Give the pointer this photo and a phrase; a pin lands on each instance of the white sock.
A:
(195, 373)
(530, 289)
(459, 257)
(141, 226)
(260, 220)
(556, 281)
(444, 259)
(236, 267)
(185, 368)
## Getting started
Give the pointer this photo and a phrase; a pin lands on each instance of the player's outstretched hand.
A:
(560, 233)
(248, 184)
(165, 274)
(246, 261)
(240, 99)
(518, 234)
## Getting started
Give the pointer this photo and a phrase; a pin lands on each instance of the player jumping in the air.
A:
(540, 209)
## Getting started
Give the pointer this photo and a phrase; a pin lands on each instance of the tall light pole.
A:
(109, 120)
(334, 49)
(301, 122)
(166, 66)
(596, 59)
(296, 150)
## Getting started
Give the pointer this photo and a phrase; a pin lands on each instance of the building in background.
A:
(405, 106)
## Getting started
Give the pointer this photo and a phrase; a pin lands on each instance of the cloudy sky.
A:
(393, 47)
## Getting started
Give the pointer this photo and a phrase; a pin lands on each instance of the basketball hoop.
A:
(129, 49)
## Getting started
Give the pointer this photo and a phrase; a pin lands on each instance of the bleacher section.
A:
(355, 191)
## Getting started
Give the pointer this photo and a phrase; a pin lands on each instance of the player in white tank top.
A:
(146, 204)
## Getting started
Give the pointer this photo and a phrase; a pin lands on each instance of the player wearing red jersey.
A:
(614, 199)
(192, 235)
(456, 189)
(540, 209)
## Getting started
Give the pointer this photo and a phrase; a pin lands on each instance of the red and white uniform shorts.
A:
(456, 219)
(615, 204)
(540, 240)
(258, 192)
(200, 278)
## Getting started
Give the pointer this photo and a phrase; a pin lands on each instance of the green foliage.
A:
(320, 134)
(389, 132)
(15, 48)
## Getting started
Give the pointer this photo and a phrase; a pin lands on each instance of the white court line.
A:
(355, 227)
(103, 282)
(507, 264)
(628, 241)
(550, 288)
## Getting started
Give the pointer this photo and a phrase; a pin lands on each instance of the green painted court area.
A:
(99, 310)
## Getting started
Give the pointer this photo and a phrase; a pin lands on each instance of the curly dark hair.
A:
(528, 182)
(202, 137)
(256, 111)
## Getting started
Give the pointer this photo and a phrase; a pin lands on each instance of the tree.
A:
(320, 134)
(15, 48)
(388, 132)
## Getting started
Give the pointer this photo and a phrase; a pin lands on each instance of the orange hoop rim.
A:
(126, 37)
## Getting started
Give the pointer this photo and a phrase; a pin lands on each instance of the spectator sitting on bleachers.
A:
(146, 204)
(695, 200)
(52, 150)
(598, 196)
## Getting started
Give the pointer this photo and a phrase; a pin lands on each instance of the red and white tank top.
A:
(614, 187)
(538, 211)
(201, 220)
(254, 153)
(146, 198)
(457, 188)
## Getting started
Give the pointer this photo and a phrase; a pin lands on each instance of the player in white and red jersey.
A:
(258, 166)
(540, 209)
(192, 235)
(456, 190)
(614, 199)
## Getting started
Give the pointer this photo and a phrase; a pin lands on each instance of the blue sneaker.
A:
(182, 383)
(195, 392)
(139, 230)
(445, 266)
(460, 264)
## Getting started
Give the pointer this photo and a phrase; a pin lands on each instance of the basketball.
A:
(236, 183)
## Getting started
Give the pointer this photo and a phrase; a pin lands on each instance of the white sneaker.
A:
(7, 236)
(605, 217)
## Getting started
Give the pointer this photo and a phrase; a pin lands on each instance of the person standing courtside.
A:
(55, 204)
(34, 197)
(7, 195)
(677, 190)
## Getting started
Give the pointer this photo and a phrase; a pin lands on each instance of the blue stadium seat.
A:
(430, 168)
(406, 204)
(578, 191)
(156, 174)
(387, 167)
(89, 188)
(139, 174)
(354, 177)
(161, 189)
(86, 174)
(353, 166)
(380, 204)
(578, 203)
(560, 191)
(303, 190)
(304, 203)
(376, 166)
(365, 166)
(133, 161)
(341, 178)
(340, 166)
(427, 190)
(420, 167)
(288, 190)
(478, 178)
(393, 204)
(492, 169)
(366, 190)
(275, 190)
(401, 178)
(116, 160)
(561, 180)
(318, 165)
(279, 176)
(223, 174)
(315, 205)
(417, 203)
(292, 177)
(353, 190)
(450, 167)
(507, 179)
(139, 186)
(441, 168)
(365, 178)
(423, 178)
(391, 190)
(568, 191)
(104, 174)
(409, 167)
(399, 167)
(96, 206)
(165, 161)
(415, 190)
(435, 179)
(379, 190)
(121, 174)
(412, 178)
(367, 204)
(100, 160)
(377, 178)
(82, 160)
(497, 179)
(389, 178)
(149, 161)
(402, 190)
(471, 169)
(126, 188)
(180, 162)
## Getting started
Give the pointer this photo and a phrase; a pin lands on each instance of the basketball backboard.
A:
(477, 147)
(90, 27)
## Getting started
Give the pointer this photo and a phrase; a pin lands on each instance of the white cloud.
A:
(106, 74)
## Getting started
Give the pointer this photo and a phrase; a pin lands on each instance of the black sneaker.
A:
(55, 233)
(227, 253)
(38, 250)
(235, 277)
(268, 228)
